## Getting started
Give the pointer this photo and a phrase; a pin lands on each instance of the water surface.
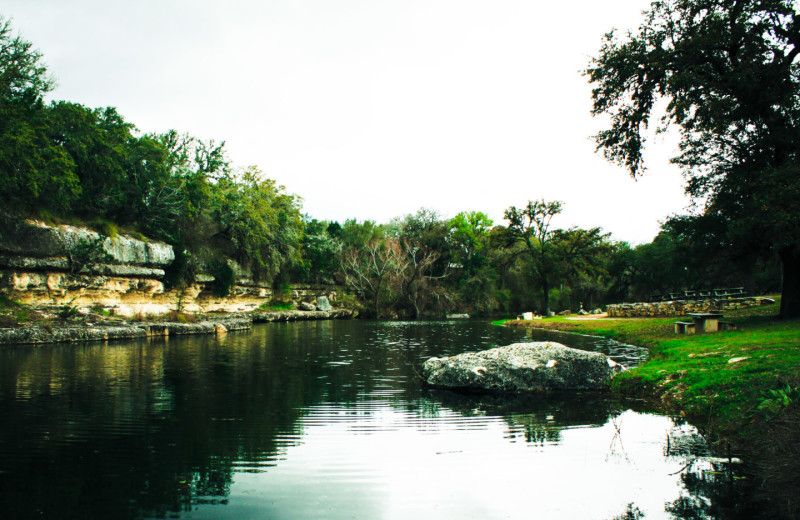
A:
(328, 420)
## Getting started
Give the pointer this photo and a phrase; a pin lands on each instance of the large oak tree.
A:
(728, 70)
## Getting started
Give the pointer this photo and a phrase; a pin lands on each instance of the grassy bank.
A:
(741, 386)
(727, 379)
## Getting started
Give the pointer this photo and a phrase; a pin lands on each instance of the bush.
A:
(224, 278)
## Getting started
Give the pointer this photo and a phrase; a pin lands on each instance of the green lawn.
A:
(727, 381)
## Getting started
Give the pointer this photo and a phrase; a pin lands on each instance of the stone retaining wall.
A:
(678, 307)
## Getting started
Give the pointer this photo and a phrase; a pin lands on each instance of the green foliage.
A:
(469, 235)
(224, 277)
(183, 270)
(730, 74)
(260, 226)
(776, 400)
(34, 170)
(12, 313)
(67, 312)
(105, 228)
(86, 252)
(574, 256)
(319, 259)
(276, 305)
(355, 235)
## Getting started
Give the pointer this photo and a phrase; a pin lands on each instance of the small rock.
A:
(323, 304)
(736, 359)
(565, 313)
(305, 306)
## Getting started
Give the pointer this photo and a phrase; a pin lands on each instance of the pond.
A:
(328, 420)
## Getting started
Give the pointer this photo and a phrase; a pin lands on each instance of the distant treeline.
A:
(64, 162)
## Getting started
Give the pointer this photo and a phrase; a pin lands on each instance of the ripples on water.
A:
(328, 420)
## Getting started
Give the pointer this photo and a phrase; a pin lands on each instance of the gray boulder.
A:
(305, 306)
(523, 367)
(323, 304)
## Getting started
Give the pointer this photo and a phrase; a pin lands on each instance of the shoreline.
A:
(741, 388)
(105, 329)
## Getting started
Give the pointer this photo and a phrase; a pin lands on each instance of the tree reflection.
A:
(157, 428)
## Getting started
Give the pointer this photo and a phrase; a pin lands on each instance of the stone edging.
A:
(99, 332)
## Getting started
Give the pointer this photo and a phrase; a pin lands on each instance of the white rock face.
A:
(31, 238)
(523, 367)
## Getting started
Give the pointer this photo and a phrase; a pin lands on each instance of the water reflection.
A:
(325, 419)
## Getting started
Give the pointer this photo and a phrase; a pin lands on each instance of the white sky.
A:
(369, 109)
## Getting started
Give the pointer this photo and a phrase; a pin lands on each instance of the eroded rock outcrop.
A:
(37, 240)
(522, 367)
(47, 264)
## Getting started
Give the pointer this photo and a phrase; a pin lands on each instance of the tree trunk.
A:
(546, 294)
(375, 301)
(790, 292)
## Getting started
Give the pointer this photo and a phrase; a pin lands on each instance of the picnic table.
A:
(705, 321)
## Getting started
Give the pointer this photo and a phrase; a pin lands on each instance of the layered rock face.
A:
(68, 265)
(523, 367)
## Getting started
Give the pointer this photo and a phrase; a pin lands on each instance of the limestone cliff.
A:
(61, 264)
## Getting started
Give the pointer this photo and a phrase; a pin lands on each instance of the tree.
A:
(35, 173)
(423, 239)
(368, 269)
(320, 253)
(98, 142)
(260, 226)
(469, 235)
(581, 255)
(531, 226)
(475, 276)
(729, 72)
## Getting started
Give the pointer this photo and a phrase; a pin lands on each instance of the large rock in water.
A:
(523, 367)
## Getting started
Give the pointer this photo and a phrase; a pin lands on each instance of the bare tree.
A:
(368, 270)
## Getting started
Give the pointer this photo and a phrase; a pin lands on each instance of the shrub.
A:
(224, 278)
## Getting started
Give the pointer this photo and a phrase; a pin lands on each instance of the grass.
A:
(12, 313)
(276, 306)
(720, 380)
(740, 386)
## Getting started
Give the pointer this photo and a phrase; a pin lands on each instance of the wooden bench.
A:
(684, 327)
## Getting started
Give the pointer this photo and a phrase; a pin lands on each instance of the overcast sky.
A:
(370, 109)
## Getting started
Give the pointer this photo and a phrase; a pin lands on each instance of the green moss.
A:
(276, 306)
(12, 313)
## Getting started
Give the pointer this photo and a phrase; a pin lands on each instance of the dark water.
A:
(327, 420)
